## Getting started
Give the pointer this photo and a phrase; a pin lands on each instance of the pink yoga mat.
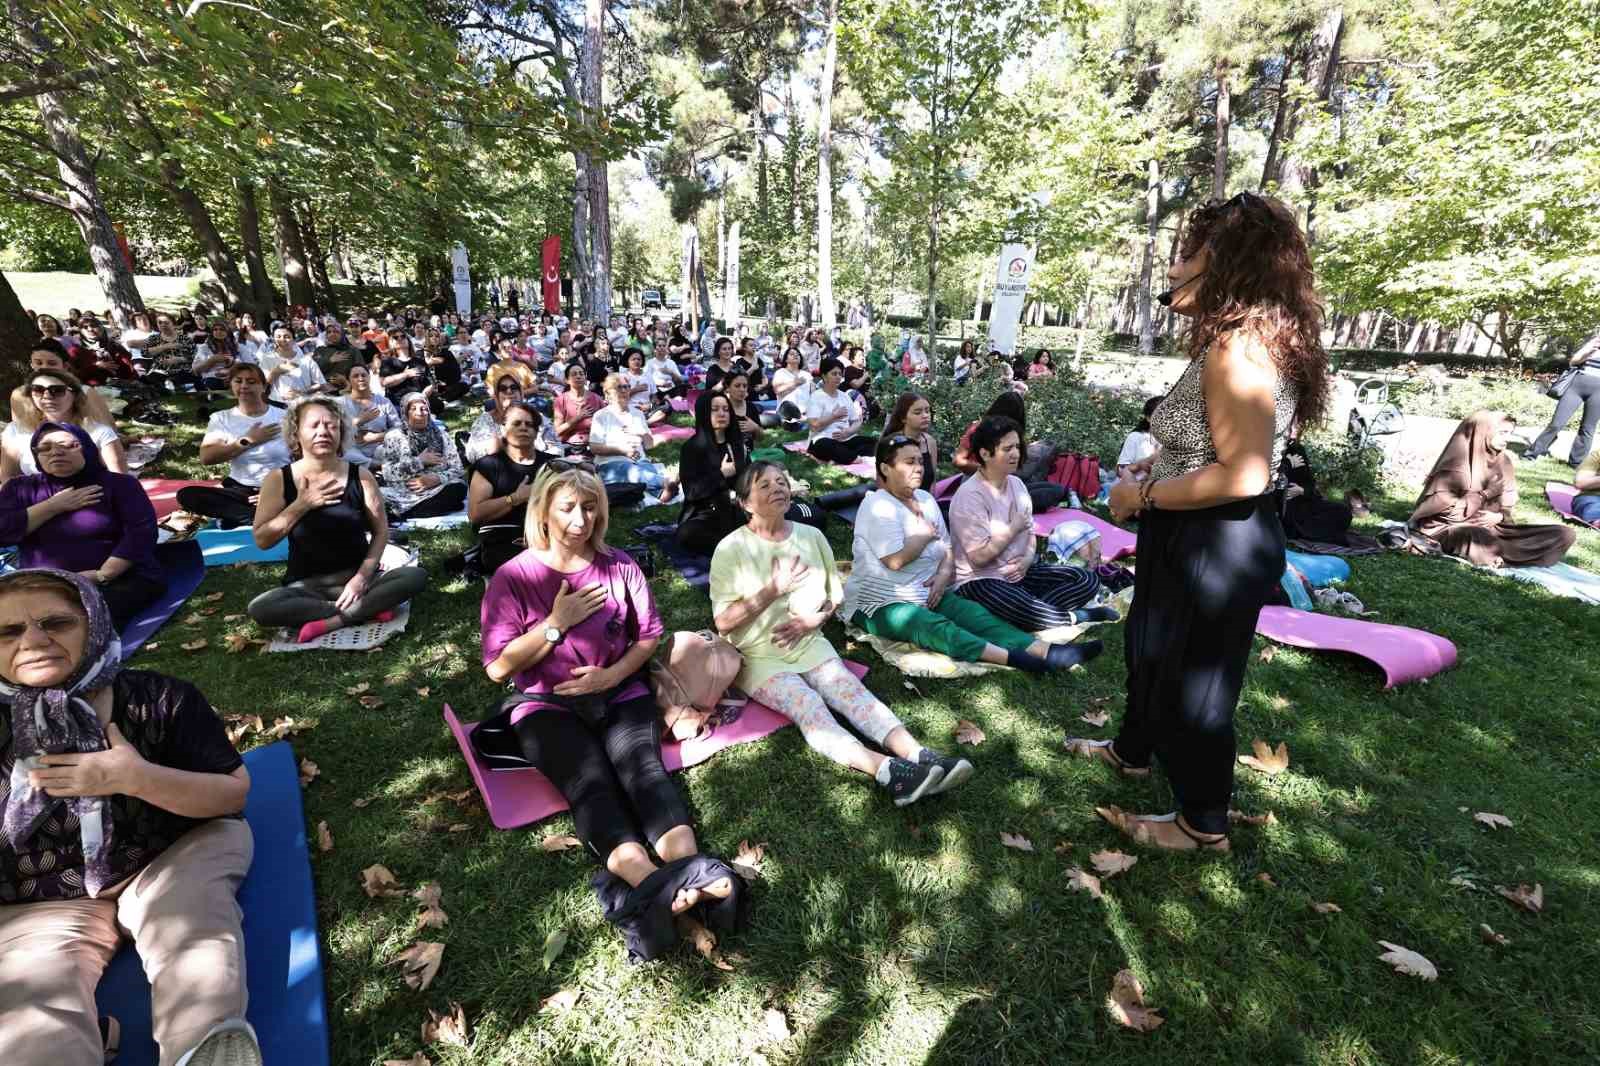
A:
(1115, 542)
(521, 797)
(1561, 497)
(861, 468)
(666, 432)
(1403, 654)
(163, 492)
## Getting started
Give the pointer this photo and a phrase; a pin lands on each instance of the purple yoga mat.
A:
(521, 797)
(1561, 497)
(860, 468)
(1115, 542)
(1403, 654)
(666, 432)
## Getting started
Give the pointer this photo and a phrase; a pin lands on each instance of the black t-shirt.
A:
(395, 365)
(504, 476)
(170, 723)
(449, 371)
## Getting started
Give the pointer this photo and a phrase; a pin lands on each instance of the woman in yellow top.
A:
(773, 585)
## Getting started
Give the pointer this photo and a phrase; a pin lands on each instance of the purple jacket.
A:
(123, 523)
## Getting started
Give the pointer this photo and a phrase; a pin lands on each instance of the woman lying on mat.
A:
(834, 419)
(422, 475)
(773, 585)
(1466, 502)
(913, 417)
(56, 396)
(497, 495)
(76, 515)
(121, 795)
(572, 623)
(1586, 505)
(991, 524)
(619, 437)
(903, 567)
(332, 513)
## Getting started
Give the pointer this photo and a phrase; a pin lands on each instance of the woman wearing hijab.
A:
(1466, 502)
(422, 474)
(121, 794)
(76, 515)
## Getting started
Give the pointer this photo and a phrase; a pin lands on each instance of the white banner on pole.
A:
(463, 280)
(1010, 288)
(730, 294)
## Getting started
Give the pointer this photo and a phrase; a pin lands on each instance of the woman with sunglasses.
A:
(619, 437)
(1211, 544)
(501, 483)
(56, 396)
(508, 389)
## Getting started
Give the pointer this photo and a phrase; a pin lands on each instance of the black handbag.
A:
(1562, 383)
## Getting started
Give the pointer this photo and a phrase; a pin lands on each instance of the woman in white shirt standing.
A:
(619, 438)
(835, 419)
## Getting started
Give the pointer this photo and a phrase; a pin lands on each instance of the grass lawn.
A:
(908, 936)
(52, 292)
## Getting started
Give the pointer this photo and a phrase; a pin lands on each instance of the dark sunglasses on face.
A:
(53, 391)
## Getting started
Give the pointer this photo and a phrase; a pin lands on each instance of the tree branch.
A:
(57, 84)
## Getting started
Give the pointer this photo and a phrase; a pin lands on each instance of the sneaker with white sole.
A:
(229, 1043)
(956, 769)
(909, 782)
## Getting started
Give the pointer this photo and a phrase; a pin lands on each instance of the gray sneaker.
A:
(229, 1043)
(956, 769)
(909, 782)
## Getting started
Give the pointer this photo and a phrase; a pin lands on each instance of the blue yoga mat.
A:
(283, 958)
(696, 569)
(223, 547)
(1320, 570)
(184, 567)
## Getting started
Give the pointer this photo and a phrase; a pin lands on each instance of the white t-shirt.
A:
(801, 396)
(1137, 447)
(821, 405)
(135, 339)
(203, 353)
(254, 343)
(639, 401)
(256, 463)
(662, 373)
(19, 440)
(882, 525)
(811, 352)
(306, 375)
(617, 429)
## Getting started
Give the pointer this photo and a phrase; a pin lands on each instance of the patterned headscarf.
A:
(59, 720)
(429, 438)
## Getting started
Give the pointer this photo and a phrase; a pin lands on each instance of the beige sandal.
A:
(1135, 826)
(1102, 751)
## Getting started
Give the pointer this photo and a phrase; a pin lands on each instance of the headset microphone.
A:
(1165, 298)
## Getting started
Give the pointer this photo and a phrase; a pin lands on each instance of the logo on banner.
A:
(550, 276)
(1017, 268)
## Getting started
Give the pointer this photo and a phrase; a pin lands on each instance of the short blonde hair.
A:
(552, 479)
(88, 406)
(615, 383)
(297, 410)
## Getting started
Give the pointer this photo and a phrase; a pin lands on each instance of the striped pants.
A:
(1046, 597)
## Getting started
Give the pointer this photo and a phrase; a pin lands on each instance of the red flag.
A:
(552, 275)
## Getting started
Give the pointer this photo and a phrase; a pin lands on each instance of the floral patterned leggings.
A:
(805, 700)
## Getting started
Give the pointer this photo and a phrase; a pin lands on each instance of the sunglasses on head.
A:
(53, 391)
(900, 440)
(563, 465)
(1244, 199)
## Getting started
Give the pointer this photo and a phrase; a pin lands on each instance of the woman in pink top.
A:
(575, 409)
(991, 523)
(571, 621)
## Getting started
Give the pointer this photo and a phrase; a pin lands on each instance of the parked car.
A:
(674, 302)
(650, 298)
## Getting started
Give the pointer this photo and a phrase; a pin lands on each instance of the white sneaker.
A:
(229, 1043)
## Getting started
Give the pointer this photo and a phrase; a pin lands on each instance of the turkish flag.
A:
(552, 275)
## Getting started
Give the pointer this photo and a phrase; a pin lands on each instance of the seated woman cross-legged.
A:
(121, 796)
(903, 567)
(773, 585)
(502, 481)
(1586, 505)
(422, 475)
(834, 419)
(619, 439)
(571, 622)
(991, 523)
(332, 513)
(76, 515)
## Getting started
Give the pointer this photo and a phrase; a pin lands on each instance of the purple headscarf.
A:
(59, 720)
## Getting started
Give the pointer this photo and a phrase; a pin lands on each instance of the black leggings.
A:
(128, 595)
(446, 393)
(229, 502)
(448, 500)
(843, 452)
(610, 772)
(1202, 579)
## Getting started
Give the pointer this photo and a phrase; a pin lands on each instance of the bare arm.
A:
(273, 519)
(744, 610)
(114, 457)
(521, 654)
(483, 506)
(1239, 379)
(1588, 482)
(910, 552)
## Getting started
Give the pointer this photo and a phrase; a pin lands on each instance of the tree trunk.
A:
(1219, 172)
(317, 258)
(932, 311)
(292, 251)
(17, 332)
(1152, 206)
(336, 245)
(830, 52)
(1170, 319)
(219, 257)
(599, 182)
(1299, 178)
(977, 307)
(582, 262)
(261, 295)
(1272, 170)
(1414, 344)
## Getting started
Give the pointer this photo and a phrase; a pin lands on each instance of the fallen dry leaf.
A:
(419, 1059)
(1408, 962)
(554, 945)
(379, 881)
(285, 727)
(562, 1001)
(308, 772)
(433, 915)
(234, 643)
(1279, 703)
(1269, 653)
(233, 618)
(370, 702)
(324, 837)
(242, 724)
(215, 597)
(1111, 863)
(968, 733)
(448, 1028)
(1266, 879)
(360, 803)
(207, 612)
(356, 690)
(1493, 821)
(419, 964)
(195, 645)
(193, 618)
(1529, 897)
(459, 827)
(1063, 847)
(422, 692)
(1327, 908)
(1241, 818)
(154, 645)
(1493, 938)
(1080, 881)
(1096, 719)
(1267, 759)
(560, 843)
(1016, 840)
(1126, 1004)
(749, 859)
(704, 942)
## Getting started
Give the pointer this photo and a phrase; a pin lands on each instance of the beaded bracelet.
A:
(1144, 492)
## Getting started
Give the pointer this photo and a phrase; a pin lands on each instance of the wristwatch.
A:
(552, 635)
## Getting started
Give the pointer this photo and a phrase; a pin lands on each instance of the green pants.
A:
(957, 627)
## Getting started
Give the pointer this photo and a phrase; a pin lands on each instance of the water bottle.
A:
(1072, 498)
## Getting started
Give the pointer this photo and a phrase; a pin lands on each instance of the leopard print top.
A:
(1180, 425)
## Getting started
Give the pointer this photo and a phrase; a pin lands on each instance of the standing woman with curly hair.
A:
(1211, 546)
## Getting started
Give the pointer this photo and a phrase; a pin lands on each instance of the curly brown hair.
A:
(1260, 280)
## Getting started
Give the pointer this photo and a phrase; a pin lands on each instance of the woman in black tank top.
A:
(332, 514)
